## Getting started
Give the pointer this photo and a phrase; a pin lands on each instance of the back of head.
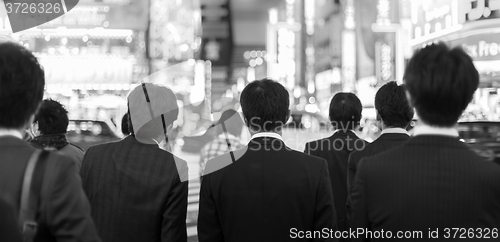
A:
(22, 82)
(345, 111)
(392, 106)
(52, 118)
(146, 126)
(232, 122)
(441, 83)
(265, 104)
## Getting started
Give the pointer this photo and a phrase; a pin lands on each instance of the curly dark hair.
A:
(52, 117)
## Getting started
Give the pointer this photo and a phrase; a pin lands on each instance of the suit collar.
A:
(437, 140)
(394, 136)
(395, 131)
(267, 141)
(12, 141)
(267, 134)
(424, 129)
(11, 132)
(343, 133)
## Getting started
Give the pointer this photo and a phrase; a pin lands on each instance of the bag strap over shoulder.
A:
(30, 194)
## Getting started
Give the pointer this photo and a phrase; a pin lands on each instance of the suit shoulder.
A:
(392, 155)
(306, 158)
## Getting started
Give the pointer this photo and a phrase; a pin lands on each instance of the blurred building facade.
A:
(473, 25)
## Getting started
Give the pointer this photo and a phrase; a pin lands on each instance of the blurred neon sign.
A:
(472, 10)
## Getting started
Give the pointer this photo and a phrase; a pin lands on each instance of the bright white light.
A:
(310, 87)
(253, 63)
(253, 54)
(312, 100)
(246, 55)
(128, 39)
(184, 47)
(191, 62)
(47, 38)
(250, 74)
(85, 38)
(296, 92)
(273, 16)
(259, 61)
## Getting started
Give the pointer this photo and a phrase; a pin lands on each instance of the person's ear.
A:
(288, 114)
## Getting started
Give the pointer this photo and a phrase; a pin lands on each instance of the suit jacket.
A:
(336, 149)
(9, 230)
(267, 191)
(136, 192)
(430, 182)
(383, 143)
(64, 211)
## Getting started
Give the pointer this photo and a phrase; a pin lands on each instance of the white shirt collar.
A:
(339, 130)
(394, 131)
(11, 132)
(423, 129)
(267, 134)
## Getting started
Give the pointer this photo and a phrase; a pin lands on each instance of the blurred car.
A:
(483, 137)
(87, 133)
(303, 127)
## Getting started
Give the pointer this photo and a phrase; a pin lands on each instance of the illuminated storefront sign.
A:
(481, 47)
(217, 33)
(117, 14)
(83, 71)
(433, 16)
(473, 10)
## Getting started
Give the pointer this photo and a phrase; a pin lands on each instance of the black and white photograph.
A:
(249, 120)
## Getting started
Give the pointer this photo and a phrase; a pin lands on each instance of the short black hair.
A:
(392, 105)
(265, 104)
(52, 118)
(125, 128)
(441, 83)
(22, 81)
(232, 122)
(345, 111)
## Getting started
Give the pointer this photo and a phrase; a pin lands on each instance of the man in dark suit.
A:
(138, 191)
(394, 113)
(433, 182)
(64, 211)
(345, 114)
(266, 191)
(9, 231)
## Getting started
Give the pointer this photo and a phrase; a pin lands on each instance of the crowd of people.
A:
(340, 188)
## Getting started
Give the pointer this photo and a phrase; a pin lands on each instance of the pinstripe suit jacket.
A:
(431, 181)
(136, 192)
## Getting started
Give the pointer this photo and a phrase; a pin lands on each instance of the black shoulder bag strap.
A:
(30, 194)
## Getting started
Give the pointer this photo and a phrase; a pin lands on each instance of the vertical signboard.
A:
(349, 48)
(385, 59)
(217, 41)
